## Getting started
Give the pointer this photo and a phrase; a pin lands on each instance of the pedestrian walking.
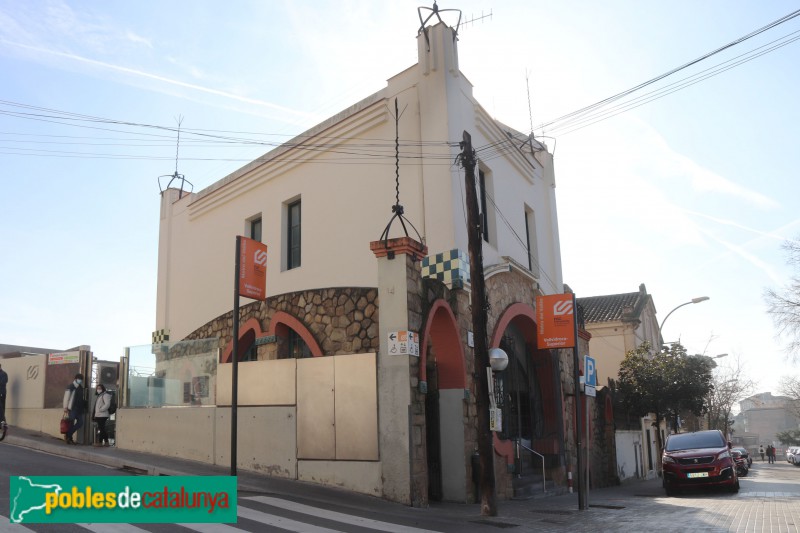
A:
(761, 452)
(74, 407)
(101, 404)
(771, 453)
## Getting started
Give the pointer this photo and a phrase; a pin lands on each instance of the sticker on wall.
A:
(63, 358)
(403, 343)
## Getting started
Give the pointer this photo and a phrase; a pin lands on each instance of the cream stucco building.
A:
(619, 323)
(328, 398)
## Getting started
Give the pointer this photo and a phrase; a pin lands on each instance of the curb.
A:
(91, 456)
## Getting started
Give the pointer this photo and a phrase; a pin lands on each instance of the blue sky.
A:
(691, 194)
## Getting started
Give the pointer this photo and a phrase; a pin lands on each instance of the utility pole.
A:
(582, 504)
(474, 233)
(235, 358)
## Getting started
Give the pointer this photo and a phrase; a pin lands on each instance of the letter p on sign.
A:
(589, 371)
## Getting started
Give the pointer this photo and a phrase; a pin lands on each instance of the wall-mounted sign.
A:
(63, 358)
(403, 343)
(252, 269)
(495, 419)
(555, 314)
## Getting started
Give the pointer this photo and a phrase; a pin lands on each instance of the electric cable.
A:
(622, 94)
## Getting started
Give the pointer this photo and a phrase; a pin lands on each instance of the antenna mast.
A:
(176, 176)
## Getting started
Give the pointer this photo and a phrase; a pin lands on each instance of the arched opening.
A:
(443, 368)
(248, 332)
(529, 394)
(295, 341)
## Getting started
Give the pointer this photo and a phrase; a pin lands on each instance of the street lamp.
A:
(498, 359)
(692, 301)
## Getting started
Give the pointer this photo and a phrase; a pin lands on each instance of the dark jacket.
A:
(74, 399)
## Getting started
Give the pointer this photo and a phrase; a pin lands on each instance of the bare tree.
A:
(790, 387)
(784, 304)
(731, 385)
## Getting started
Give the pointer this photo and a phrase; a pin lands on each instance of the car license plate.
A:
(697, 474)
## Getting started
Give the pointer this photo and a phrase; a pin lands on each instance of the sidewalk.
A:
(556, 513)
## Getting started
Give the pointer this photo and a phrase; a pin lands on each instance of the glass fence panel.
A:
(173, 374)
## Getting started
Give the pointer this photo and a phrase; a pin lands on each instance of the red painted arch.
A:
(441, 329)
(251, 330)
(248, 332)
(524, 317)
(503, 448)
(514, 313)
(511, 314)
(281, 320)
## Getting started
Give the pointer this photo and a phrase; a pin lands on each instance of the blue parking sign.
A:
(589, 371)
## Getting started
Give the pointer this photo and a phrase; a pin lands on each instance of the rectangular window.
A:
(484, 210)
(255, 229)
(293, 235)
(530, 240)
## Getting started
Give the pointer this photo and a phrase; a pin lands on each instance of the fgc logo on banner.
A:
(555, 314)
(563, 307)
(260, 257)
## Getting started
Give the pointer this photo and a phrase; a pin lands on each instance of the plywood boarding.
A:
(356, 407)
(316, 438)
(260, 382)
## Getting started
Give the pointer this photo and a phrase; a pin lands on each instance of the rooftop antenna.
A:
(397, 209)
(435, 11)
(530, 113)
(176, 176)
(475, 19)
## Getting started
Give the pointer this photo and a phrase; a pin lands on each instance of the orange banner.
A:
(555, 314)
(252, 269)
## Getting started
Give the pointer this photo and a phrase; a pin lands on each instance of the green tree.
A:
(665, 384)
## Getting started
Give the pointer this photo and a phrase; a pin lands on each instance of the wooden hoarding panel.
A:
(356, 407)
(316, 430)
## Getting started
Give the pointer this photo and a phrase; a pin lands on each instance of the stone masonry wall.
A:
(342, 320)
(602, 464)
(419, 458)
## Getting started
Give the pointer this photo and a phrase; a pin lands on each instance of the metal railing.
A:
(544, 481)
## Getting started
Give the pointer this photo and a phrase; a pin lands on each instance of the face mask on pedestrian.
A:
(99, 391)
(78, 381)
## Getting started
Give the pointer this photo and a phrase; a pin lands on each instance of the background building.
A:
(764, 415)
(619, 323)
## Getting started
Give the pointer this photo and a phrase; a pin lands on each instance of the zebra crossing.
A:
(255, 513)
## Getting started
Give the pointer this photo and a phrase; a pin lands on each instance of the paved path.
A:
(769, 501)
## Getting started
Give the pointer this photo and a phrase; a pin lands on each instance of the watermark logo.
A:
(122, 499)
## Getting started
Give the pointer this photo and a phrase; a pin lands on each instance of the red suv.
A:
(698, 459)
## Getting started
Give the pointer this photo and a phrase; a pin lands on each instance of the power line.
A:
(622, 94)
(592, 118)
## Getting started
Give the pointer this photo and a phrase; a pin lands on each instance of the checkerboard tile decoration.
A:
(160, 336)
(450, 267)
